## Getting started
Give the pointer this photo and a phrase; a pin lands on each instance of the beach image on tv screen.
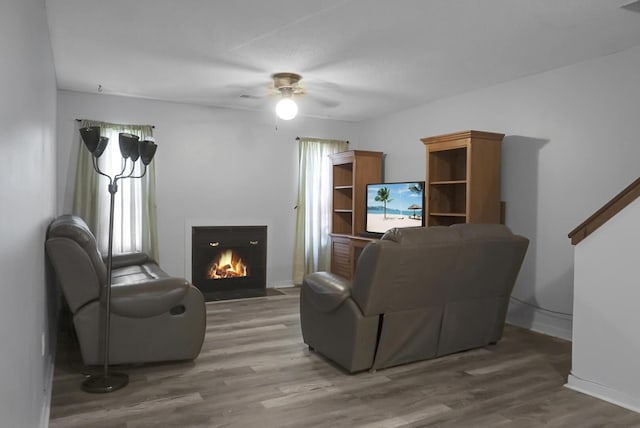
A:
(392, 205)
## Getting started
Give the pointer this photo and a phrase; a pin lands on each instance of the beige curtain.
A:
(135, 223)
(313, 224)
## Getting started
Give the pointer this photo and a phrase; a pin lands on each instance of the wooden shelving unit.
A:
(352, 171)
(463, 178)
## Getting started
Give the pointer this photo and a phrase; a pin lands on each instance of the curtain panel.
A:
(313, 220)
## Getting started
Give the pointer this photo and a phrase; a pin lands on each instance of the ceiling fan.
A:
(287, 86)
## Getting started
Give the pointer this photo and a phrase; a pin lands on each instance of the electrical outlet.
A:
(42, 343)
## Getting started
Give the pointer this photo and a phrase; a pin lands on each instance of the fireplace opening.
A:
(229, 262)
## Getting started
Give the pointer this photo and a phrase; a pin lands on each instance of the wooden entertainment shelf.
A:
(352, 171)
(463, 178)
(345, 250)
(462, 186)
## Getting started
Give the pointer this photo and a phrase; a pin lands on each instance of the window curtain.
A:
(313, 223)
(134, 221)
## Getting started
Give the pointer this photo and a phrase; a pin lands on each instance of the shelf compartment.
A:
(342, 221)
(446, 220)
(343, 198)
(343, 175)
(448, 165)
(448, 198)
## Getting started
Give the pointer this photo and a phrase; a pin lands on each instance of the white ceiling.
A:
(359, 58)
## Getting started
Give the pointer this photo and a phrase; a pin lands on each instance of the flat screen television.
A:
(392, 205)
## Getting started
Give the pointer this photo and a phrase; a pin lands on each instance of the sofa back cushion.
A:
(477, 301)
(489, 262)
(406, 269)
(73, 251)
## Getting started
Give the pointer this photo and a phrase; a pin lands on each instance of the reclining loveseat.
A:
(154, 317)
(417, 293)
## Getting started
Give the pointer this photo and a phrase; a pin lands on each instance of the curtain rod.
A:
(80, 120)
(298, 139)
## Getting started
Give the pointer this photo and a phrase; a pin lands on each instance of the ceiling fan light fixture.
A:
(286, 109)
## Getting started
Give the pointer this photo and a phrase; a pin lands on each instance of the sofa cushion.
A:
(145, 290)
(127, 259)
(406, 269)
(75, 229)
(76, 273)
(326, 291)
(136, 273)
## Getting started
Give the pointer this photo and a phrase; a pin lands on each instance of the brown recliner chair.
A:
(154, 317)
(417, 294)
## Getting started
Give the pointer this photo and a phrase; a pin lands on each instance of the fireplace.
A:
(229, 262)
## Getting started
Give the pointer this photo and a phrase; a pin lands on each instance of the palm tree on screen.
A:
(416, 188)
(383, 196)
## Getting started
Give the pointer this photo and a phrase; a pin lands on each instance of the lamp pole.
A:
(130, 148)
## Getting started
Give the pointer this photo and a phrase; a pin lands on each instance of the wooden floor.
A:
(254, 371)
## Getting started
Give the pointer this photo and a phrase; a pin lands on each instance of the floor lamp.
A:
(131, 149)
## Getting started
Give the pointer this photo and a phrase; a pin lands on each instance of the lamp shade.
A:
(91, 137)
(286, 109)
(128, 144)
(147, 149)
(102, 145)
(135, 154)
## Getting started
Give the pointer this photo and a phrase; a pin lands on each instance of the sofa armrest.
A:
(326, 291)
(148, 298)
(127, 259)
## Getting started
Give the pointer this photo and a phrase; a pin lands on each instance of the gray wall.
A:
(213, 166)
(571, 145)
(27, 195)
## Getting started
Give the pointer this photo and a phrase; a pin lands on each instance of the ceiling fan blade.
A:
(323, 85)
(323, 92)
(251, 91)
(324, 101)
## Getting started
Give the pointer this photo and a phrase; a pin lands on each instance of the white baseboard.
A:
(544, 328)
(526, 316)
(281, 284)
(603, 392)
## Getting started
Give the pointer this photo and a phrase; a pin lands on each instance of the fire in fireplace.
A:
(229, 262)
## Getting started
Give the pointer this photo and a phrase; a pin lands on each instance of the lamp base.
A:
(99, 383)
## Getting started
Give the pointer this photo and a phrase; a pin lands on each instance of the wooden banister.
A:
(611, 208)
